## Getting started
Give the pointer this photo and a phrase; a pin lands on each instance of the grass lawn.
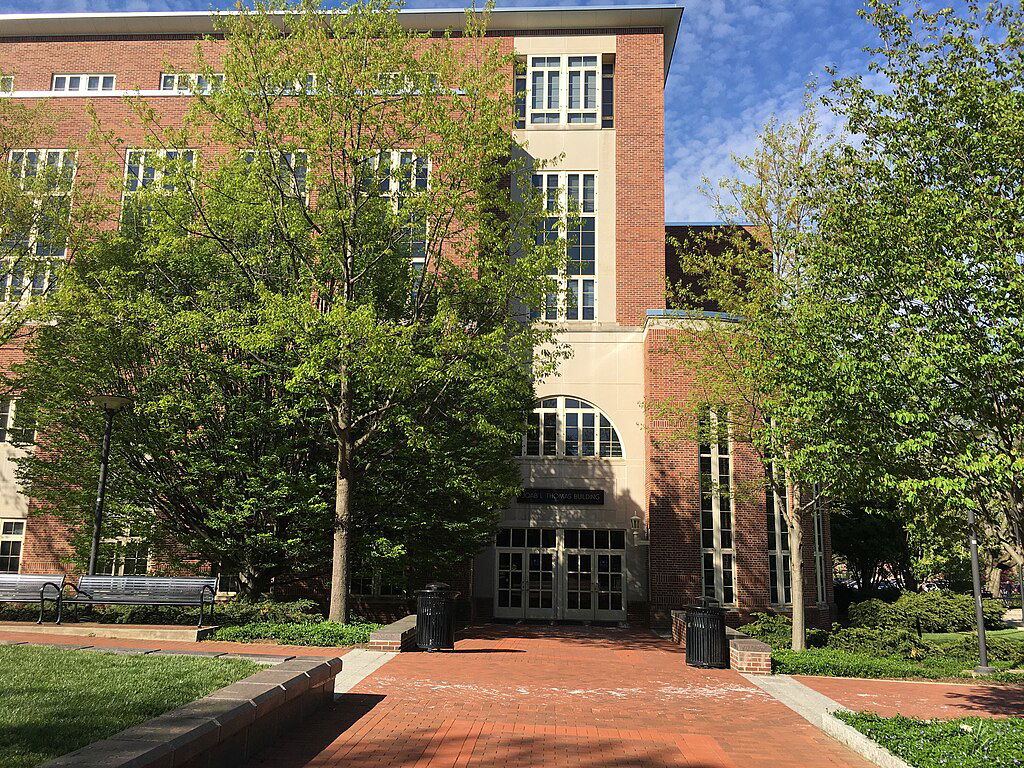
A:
(54, 701)
(970, 742)
(944, 638)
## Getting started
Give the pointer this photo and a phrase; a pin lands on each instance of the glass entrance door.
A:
(527, 560)
(575, 574)
(579, 585)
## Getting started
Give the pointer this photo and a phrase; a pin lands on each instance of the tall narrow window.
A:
(12, 537)
(608, 90)
(717, 547)
(35, 254)
(583, 78)
(577, 218)
(779, 580)
(545, 89)
(819, 547)
(520, 91)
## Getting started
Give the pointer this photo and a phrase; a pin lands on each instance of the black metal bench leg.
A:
(60, 606)
(42, 603)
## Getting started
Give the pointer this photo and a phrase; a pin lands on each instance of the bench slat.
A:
(24, 587)
(141, 590)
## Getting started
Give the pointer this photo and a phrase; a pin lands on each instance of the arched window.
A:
(570, 427)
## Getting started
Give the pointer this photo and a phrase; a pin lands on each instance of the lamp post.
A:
(110, 404)
(983, 668)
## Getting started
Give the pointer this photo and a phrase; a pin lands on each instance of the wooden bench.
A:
(30, 587)
(142, 590)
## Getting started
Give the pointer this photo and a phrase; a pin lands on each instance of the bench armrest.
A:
(57, 588)
(78, 592)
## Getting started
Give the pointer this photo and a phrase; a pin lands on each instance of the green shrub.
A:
(970, 742)
(777, 631)
(225, 614)
(939, 611)
(833, 662)
(966, 650)
(872, 613)
(881, 642)
(321, 633)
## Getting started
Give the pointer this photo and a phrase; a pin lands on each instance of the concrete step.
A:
(124, 631)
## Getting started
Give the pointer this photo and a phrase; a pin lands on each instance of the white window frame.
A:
(779, 553)
(188, 83)
(558, 410)
(141, 156)
(82, 82)
(718, 540)
(44, 278)
(566, 194)
(120, 544)
(9, 425)
(301, 194)
(549, 90)
(11, 524)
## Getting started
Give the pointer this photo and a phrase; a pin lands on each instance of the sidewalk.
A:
(923, 700)
(556, 697)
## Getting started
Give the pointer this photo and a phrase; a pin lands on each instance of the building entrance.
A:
(560, 573)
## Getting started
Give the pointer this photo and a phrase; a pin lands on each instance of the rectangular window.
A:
(15, 430)
(520, 92)
(6, 83)
(123, 556)
(608, 91)
(577, 219)
(716, 535)
(86, 83)
(12, 538)
(542, 430)
(289, 169)
(564, 90)
(35, 254)
(779, 583)
(190, 82)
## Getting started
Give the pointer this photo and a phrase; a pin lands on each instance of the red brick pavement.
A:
(169, 645)
(920, 699)
(560, 697)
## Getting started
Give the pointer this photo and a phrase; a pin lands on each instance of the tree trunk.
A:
(796, 565)
(342, 512)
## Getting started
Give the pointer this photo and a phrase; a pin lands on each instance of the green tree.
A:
(748, 364)
(369, 193)
(918, 256)
(35, 210)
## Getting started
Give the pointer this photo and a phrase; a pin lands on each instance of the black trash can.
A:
(435, 617)
(706, 644)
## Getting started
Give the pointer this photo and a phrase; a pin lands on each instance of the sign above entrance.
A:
(561, 496)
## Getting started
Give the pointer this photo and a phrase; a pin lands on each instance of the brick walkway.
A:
(920, 699)
(38, 638)
(556, 697)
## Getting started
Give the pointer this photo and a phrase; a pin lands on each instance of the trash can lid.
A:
(437, 586)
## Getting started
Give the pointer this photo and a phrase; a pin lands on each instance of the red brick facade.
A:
(639, 176)
(669, 498)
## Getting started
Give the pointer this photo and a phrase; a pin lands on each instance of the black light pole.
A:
(110, 404)
(983, 668)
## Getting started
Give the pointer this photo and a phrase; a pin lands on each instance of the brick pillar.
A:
(639, 176)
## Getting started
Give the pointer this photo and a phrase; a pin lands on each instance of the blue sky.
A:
(736, 63)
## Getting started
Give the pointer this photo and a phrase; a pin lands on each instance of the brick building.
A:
(610, 525)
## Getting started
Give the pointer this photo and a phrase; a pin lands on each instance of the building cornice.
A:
(665, 17)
